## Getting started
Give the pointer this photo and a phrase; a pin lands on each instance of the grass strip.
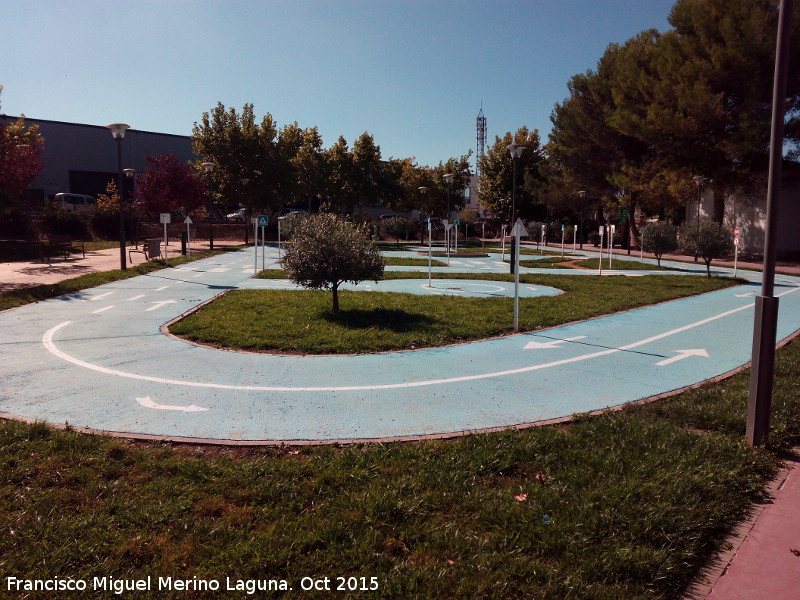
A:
(400, 261)
(626, 506)
(623, 265)
(302, 321)
(27, 295)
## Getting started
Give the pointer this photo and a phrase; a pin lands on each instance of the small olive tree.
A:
(706, 239)
(325, 251)
(395, 227)
(659, 238)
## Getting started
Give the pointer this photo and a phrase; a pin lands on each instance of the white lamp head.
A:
(118, 130)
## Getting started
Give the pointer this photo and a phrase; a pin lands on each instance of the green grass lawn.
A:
(622, 265)
(400, 261)
(302, 321)
(636, 500)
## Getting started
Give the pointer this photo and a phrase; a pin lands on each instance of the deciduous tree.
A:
(168, 184)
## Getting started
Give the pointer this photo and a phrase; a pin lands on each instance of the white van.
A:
(77, 202)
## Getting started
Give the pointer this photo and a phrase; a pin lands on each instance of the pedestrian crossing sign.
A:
(263, 220)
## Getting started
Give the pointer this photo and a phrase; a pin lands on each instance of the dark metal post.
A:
(514, 213)
(582, 194)
(123, 262)
(762, 372)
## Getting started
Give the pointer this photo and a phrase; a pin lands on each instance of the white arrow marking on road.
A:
(553, 344)
(147, 403)
(160, 304)
(683, 354)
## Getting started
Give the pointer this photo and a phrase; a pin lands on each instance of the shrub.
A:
(326, 251)
(706, 239)
(659, 238)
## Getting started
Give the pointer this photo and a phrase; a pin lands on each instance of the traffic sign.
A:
(164, 218)
(736, 232)
(187, 220)
(457, 222)
(519, 229)
(263, 220)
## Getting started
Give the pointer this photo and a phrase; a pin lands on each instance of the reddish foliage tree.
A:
(20, 159)
(168, 184)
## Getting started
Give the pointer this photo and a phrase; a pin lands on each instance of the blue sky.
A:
(412, 73)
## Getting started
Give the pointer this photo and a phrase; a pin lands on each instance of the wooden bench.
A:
(56, 245)
(150, 248)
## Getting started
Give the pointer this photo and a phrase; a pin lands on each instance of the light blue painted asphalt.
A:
(97, 359)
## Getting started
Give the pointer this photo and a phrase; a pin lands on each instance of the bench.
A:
(56, 245)
(150, 248)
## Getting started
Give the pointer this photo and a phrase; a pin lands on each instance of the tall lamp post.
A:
(422, 189)
(244, 181)
(208, 167)
(125, 193)
(118, 133)
(516, 151)
(582, 194)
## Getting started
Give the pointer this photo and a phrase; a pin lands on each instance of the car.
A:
(74, 202)
(237, 216)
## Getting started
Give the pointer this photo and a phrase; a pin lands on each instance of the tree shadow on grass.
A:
(394, 320)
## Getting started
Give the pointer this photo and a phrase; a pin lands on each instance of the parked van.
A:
(77, 202)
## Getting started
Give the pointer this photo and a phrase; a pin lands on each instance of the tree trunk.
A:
(335, 290)
(719, 204)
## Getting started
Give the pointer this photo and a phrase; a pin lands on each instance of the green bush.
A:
(659, 238)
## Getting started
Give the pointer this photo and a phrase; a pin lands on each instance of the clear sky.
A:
(412, 73)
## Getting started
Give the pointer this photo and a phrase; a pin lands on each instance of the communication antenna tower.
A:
(481, 126)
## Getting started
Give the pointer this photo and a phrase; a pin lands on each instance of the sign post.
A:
(456, 223)
(165, 219)
(430, 242)
(602, 243)
(735, 249)
(263, 223)
(254, 221)
(517, 232)
(503, 242)
(188, 222)
(447, 227)
(544, 238)
(562, 240)
(611, 232)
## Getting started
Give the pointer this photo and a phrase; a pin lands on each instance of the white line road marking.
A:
(683, 354)
(552, 344)
(136, 297)
(160, 304)
(745, 295)
(101, 296)
(147, 403)
(47, 340)
(105, 308)
(163, 287)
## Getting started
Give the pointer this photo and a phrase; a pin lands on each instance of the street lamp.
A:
(516, 151)
(422, 189)
(208, 167)
(582, 194)
(118, 133)
(700, 182)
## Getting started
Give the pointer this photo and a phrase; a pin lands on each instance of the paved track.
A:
(97, 359)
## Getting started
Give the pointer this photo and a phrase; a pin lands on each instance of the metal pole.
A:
(123, 261)
(514, 212)
(516, 284)
(765, 325)
(430, 234)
